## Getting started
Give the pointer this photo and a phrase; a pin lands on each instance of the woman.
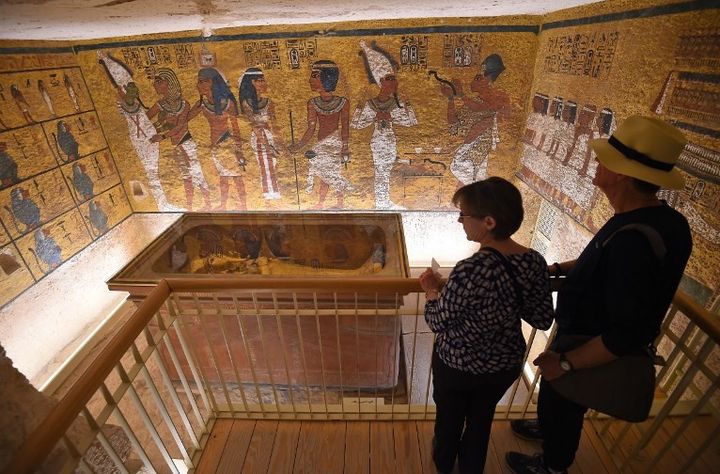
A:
(479, 346)
(260, 111)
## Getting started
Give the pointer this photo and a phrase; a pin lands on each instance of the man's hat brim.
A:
(618, 163)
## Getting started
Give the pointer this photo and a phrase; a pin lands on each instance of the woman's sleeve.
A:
(443, 313)
(538, 308)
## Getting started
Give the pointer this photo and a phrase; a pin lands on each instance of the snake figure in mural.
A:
(264, 138)
(476, 120)
(330, 114)
(140, 128)
(384, 111)
(219, 106)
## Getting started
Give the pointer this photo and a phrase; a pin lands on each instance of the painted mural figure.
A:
(66, 142)
(219, 107)
(172, 117)
(21, 103)
(82, 182)
(24, 209)
(584, 132)
(140, 128)
(477, 120)
(384, 111)
(98, 218)
(46, 250)
(260, 111)
(46, 97)
(8, 168)
(330, 114)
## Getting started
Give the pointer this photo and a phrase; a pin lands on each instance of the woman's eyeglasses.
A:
(462, 216)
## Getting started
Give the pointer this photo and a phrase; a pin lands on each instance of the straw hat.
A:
(644, 148)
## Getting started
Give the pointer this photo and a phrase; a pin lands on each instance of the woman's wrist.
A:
(432, 294)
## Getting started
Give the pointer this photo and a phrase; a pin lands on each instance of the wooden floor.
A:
(377, 447)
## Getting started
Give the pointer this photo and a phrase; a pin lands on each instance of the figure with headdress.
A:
(172, 124)
(8, 168)
(82, 182)
(66, 141)
(140, 128)
(21, 103)
(260, 111)
(476, 120)
(383, 111)
(330, 114)
(218, 105)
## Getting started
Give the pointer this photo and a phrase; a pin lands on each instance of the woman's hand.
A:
(430, 282)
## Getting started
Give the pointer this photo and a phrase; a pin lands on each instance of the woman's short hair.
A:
(496, 197)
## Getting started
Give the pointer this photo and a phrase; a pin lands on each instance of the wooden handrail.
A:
(380, 285)
(704, 319)
(41, 441)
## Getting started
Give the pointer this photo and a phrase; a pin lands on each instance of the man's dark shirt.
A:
(622, 290)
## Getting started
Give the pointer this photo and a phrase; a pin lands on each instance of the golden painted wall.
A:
(109, 138)
(98, 130)
(59, 187)
(413, 144)
(652, 58)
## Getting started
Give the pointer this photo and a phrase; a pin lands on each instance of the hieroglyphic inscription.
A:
(461, 50)
(264, 54)
(414, 52)
(589, 54)
(299, 51)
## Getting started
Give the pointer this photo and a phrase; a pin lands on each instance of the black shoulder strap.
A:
(511, 273)
(653, 236)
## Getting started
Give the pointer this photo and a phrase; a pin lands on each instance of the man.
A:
(476, 120)
(618, 290)
(330, 114)
(384, 111)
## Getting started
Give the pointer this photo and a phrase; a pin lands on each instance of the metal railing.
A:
(308, 349)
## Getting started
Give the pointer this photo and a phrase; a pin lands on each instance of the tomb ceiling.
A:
(88, 19)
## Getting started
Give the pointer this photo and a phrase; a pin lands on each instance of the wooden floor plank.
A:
(407, 448)
(237, 446)
(382, 447)
(321, 447)
(371, 447)
(591, 431)
(504, 440)
(696, 434)
(425, 432)
(284, 451)
(357, 448)
(215, 446)
(260, 449)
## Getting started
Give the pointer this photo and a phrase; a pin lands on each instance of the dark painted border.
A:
(535, 29)
(633, 14)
